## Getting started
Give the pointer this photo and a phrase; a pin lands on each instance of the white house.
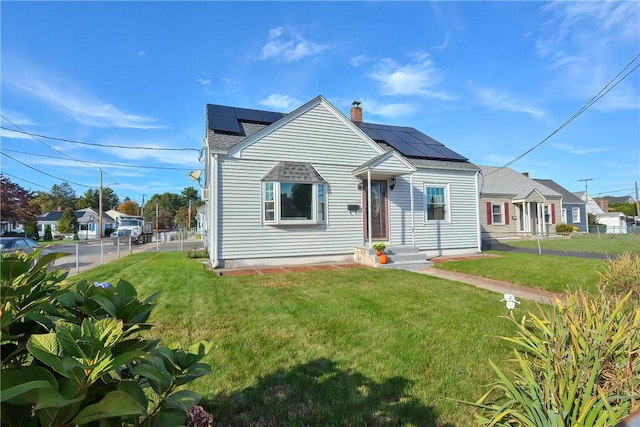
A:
(314, 185)
(88, 223)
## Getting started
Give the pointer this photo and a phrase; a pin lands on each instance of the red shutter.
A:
(553, 213)
(506, 213)
(489, 213)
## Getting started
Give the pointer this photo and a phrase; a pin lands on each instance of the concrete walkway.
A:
(520, 292)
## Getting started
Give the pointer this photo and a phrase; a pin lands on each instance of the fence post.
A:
(118, 240)
(539, 246)
(77, 257)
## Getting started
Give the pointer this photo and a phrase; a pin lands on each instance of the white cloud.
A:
(580, 151)
(13, 135)
(281, 102)
(358, 60)
(204, 82)
(588, 43)
(496, 100)
(80, 106)
(286, 44)
(390, 110)
(419, 77)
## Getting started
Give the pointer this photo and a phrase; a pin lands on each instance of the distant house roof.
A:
(54, 216)
(229, 126)
(592, 206)
(506, 181)
(567, 196)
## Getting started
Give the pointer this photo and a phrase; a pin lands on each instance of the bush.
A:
(31, 231)
(621, 276)
(564, 228)
(47, 233)
(577, 365)
(198, 253)
(73, 354)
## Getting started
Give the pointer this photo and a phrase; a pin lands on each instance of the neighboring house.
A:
(512, 204)
(615, 222)
(592, 206)
(88, 223)
(313, 185)
(574, 209)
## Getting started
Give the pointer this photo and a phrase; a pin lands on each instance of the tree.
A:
(629, 209)
(129, 207)
(60, 197)
(15, 203)
(189, 193)
(68, 222)
(91, 199)
(167, 205)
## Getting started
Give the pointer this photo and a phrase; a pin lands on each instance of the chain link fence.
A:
(600, 242)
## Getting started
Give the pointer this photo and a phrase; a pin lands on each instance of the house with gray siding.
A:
(313, 185)
(574, 209)
(514, 205)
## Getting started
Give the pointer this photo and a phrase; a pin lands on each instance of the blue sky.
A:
(490, 80)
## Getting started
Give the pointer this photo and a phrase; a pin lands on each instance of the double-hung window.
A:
(293, 193)
(436, 201)
(496, 214)
(575, 215)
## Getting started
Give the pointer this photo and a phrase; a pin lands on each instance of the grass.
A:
(549, 272)
(603, 243)
(346, 347)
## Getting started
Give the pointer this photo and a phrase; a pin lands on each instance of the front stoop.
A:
(402, 257)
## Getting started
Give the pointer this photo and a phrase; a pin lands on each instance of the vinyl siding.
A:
(460, 232)
(243, 236)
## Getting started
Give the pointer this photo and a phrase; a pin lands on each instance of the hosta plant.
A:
(575, 365)
(72, 354)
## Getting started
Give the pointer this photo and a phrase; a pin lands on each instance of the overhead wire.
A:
(608, 87)
(45, 173)
(95, 144)
(96, 162)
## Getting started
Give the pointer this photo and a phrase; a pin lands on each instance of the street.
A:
(84, 255)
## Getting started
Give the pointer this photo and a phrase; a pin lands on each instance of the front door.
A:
(379, 210)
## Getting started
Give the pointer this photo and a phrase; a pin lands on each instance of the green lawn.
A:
(603, 243)
(346, 347)
(550, 272)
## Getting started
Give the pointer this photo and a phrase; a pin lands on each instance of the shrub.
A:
(576, 365)
(73, 354)
(564, 228)
(31, 231)
(47, 233)
(621, 276)
(198, 253)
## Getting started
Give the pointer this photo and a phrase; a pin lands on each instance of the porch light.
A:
(359, 186)
(392, 183)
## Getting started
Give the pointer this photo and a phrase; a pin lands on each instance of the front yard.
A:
(357, 346)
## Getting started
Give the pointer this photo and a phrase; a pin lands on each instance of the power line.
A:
(96, 162)
(94, 144)
(592, 101)
(44, 173)
(22, 179)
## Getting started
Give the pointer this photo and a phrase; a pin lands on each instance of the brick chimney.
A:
(604, 204)
(356, 113)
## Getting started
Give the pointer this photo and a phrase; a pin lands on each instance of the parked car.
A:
(21, 244)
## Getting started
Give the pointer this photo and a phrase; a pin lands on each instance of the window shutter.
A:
(506, 213)
(553, 213)
(489, 213)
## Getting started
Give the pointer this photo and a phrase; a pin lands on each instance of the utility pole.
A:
(142, 206)
(637, 202)
(585, 183)
(100, 208)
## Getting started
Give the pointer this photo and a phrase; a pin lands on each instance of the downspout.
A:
(213, 199)
(479, 228)
(369, 221)
(413, 221)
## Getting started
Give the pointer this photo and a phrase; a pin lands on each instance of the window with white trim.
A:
(575, 215)
(436, 200)
(497, 216)
(293, 203)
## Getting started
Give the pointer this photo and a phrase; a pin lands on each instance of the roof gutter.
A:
(213, 213)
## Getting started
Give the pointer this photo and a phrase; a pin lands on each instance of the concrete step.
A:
(410, 266)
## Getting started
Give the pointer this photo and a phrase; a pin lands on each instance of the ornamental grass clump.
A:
(73, 354)
(577, 364)
(621, 276)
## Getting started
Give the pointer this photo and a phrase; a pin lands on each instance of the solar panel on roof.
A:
(426, 139)
(388, 136)
(429, 152)
(406, 149)
(224, 124)
(270, 117)
(248, 115)
(407, 137)
(220, 110)
(450, 154)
